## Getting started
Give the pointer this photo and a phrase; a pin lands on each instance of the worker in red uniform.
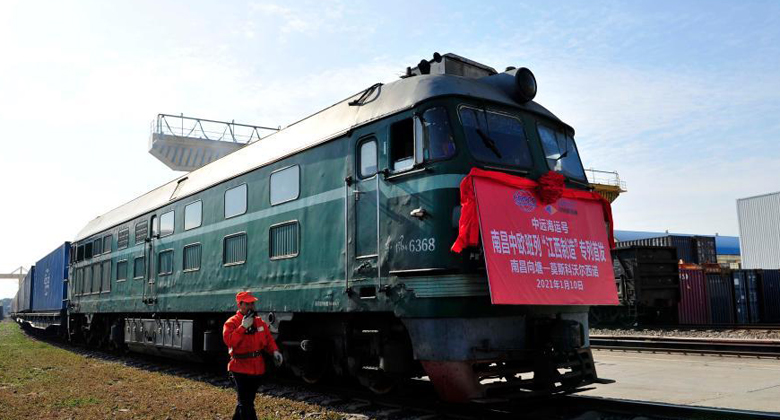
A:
(246, 336)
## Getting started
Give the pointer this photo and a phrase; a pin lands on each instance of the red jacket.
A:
(238, 341)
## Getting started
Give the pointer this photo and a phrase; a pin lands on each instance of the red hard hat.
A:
(245, 297)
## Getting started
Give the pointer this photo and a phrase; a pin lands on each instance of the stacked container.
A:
(692, 308)
(704, 249)
(720, 297)
(770, 295)
(690, 249)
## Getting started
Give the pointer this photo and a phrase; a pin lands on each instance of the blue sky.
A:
(681, 98)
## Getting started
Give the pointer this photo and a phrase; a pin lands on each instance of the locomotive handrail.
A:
(181, 126)
(611, 178)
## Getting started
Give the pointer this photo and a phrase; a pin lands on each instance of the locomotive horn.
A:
(424, 67)
(525, 85)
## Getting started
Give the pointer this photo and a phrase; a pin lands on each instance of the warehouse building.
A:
(759, 230)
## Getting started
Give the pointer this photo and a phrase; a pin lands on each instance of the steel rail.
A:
(719, 327)
(719, 346)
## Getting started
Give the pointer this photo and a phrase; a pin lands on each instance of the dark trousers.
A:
(246, 387)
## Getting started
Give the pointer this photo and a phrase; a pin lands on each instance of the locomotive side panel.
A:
(286, 283)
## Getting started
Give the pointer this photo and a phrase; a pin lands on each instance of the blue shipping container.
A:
(746, 296)
(51, 273)
(720, 298)
(26, 291)
(754, 303)
(740, 296)
(770, 295)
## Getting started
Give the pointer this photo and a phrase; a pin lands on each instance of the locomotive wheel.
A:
(315, 370)
(313, 376)
(379, 383)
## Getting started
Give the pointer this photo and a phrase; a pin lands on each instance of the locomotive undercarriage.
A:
(465, 358)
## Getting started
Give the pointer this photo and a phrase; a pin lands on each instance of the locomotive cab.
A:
(468, 347)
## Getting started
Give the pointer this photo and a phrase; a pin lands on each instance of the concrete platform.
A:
(724, 382)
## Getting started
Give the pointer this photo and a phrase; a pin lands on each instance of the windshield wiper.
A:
(563, 155)
(489, 143)
(565, 152)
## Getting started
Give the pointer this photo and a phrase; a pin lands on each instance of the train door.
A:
(362, 207)
(150, 286)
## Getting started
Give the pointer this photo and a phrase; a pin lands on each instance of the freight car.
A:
(648, 287)
(46, 285)
(24, 296)
(342, 224)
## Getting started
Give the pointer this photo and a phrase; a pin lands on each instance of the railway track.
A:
(417, 400)
(718, 327)
(716, 346)
(691, 327)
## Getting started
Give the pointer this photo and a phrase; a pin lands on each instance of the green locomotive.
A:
(342, 224)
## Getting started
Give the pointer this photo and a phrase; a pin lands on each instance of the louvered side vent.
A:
(234, 249)
(97, 278)
(122, 239)
(141, 230)
(88, 280)
(284, 240)
(106, 276)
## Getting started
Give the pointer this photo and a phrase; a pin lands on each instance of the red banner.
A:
(537, 253)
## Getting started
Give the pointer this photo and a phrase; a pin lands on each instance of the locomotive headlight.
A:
(525, 85)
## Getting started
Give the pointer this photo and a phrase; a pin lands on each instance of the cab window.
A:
(561, 152)
(494, 137)
(166, 223)
(436, 134)
(402, 144)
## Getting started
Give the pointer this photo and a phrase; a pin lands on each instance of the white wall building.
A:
(759, 230)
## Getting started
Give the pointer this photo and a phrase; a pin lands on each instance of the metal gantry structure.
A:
(187, 143)
(606, 183)
(17, 274)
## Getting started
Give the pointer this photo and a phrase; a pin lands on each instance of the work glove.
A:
(278, 358)
(248, 322)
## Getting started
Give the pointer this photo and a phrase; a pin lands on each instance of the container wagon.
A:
(648, 287)
(49, 291)
(25, 293)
